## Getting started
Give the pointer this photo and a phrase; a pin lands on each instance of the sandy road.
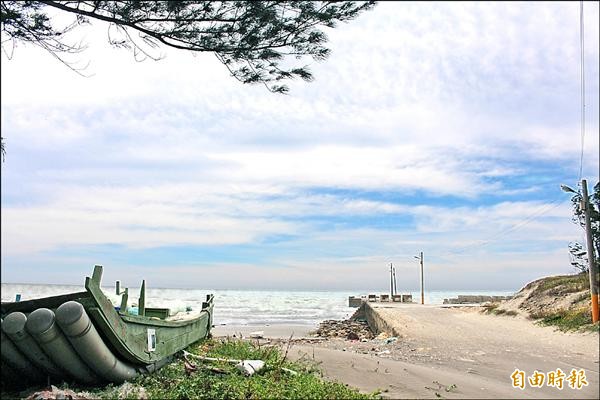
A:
(443, 347)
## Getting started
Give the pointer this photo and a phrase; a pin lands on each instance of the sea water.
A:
(244, 307)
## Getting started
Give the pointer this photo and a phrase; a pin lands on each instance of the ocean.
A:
(243, 307)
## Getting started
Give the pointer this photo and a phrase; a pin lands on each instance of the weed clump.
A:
(578, 319)
(222, 380)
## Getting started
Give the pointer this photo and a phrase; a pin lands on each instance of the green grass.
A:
(578, 316)
(492, 308)
(511, 313)
(172, 382)
(578, 319)
(564, 284)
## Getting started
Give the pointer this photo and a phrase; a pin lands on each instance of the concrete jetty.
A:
(357, 301)
(465, 354)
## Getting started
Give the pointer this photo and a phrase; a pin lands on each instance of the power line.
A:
(581, 44)
(536, 214)
(548, 207)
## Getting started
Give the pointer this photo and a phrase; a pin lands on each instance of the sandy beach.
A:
(447, 353)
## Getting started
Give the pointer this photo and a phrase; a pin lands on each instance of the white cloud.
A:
(470, 101)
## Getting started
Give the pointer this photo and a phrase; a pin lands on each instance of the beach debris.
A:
(391, 340)
(382, 336)
(383, 352)
(189, 367)
(257, 334)
(249, 367)
(130, 391)
(449, 388)
(54, 393)
(348, 329)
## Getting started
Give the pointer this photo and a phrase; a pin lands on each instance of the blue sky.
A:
(445, 128)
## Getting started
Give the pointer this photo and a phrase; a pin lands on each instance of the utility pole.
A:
(592, 267)
(395, 285)
(420, 258)
(422, 290)
(391, 281)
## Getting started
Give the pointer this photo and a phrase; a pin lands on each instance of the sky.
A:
(445, 128)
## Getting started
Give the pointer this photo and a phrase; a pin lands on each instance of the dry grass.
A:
(577, 319)
(493, 308)
(564, 284)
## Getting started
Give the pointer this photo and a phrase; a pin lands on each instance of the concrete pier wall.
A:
(377, 324)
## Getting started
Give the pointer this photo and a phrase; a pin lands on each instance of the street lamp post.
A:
(420, 258)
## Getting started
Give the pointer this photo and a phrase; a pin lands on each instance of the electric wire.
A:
(537, 213)
(582, 72)
(540, 211)
(558, 202)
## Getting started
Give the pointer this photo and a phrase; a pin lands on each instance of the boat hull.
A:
(81, 337)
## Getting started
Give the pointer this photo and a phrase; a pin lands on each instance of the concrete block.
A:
(354, 301)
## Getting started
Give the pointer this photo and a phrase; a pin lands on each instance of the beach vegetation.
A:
(562, 301)
(490, 307)
(578, 319)
(493, 308)
(500, 311)
(563, 284)
(577, 315)
(221, 380)
(195, 379)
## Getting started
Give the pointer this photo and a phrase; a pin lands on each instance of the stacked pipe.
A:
(62, 345)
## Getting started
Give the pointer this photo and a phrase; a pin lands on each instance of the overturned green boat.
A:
(84, 337)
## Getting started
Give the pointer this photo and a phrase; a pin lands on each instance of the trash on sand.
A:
(383, 335)
(384, 352)
(257, 334)
(249, 367)
(55, 393)
(391, 340)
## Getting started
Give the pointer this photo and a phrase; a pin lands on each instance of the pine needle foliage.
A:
(253, 39)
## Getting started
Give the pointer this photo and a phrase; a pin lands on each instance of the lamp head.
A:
(567, 189)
